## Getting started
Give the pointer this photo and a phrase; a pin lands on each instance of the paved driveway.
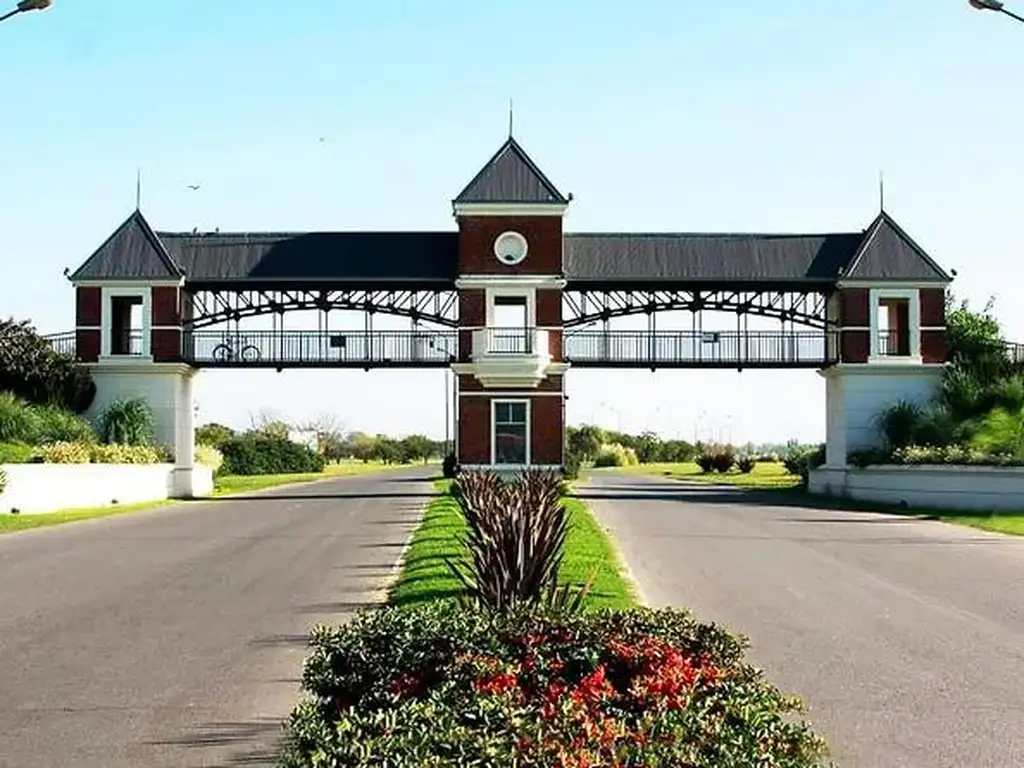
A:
(905, 637)
(176, 637)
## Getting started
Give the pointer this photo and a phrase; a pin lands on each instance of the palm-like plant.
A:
(516, 533)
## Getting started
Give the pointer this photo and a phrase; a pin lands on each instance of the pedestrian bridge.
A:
(439, 348)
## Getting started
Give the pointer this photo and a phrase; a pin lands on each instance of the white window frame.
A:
(530, 294)
(912, 296)
(494, 431)
(106, 319)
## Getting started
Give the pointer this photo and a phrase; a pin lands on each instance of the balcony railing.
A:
(706, 349)
(893, 343)
(509, 342)
(297, 349)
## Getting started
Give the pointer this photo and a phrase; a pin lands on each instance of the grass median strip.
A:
(425, 576)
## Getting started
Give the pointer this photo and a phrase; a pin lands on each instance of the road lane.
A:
(176, 637)
(904, 636)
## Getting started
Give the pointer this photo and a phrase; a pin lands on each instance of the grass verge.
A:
(229, 484)
(224, 486)
(766, 475)
(425, 576)
(22, 522)
(770, 476)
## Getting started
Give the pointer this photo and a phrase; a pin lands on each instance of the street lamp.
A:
(994, 5)
(27, 5)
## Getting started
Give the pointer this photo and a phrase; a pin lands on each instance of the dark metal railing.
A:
(703, 349)
(63, 343)
(254, 349)
(509, 341)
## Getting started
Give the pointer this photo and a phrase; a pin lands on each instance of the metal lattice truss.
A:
(213, 307)
(582, 308)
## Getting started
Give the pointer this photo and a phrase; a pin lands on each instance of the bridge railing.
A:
(319, 348)
(699, 349)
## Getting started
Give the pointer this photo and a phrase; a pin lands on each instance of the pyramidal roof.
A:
(132, 252)
(510, 176)
(889, 253)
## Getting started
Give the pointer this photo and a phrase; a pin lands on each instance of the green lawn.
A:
(229, 484)
(764, 475)
(10, 523)
(774, 476)
(425, 576)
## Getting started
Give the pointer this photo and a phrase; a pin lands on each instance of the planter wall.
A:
(49, 487)
(942, 486)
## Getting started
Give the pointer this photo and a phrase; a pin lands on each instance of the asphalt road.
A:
(176, 637)
(904, 637)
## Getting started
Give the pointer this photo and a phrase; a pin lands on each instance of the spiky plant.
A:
(515, 537)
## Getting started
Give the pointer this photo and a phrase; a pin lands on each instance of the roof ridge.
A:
(511, 145)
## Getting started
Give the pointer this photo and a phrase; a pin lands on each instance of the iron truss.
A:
(213, 307)
(587, 307)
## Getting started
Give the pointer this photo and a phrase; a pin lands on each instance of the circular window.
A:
(510, 247)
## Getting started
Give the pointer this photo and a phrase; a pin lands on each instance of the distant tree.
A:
(330, 435)
(585, 441)
(416, 448)
(214, 434)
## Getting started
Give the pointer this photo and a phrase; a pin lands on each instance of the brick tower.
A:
(511, 401)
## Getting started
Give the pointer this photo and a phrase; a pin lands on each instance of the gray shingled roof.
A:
(345, 256)
(510, 176)
(132, 252)
(601, 260)
(889, 253)
(706, 257)
(883, 252)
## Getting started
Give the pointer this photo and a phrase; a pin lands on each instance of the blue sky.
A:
(691, 116)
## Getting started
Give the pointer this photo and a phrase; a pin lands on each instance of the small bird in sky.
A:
(194, 187)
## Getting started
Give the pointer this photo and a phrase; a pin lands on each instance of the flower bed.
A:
(440, 685)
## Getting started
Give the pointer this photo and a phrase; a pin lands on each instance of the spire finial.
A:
(510, 115)
(881, 191)
(138, 189)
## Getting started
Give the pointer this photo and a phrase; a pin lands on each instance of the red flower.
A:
(499, 683)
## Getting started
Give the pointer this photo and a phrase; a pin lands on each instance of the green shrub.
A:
(800, 461)
(56, 425)
(33, 370)
(113, 453)
(573, 464)
(15, 453)
(1001, 432)
(899, 423)
(65, 453)
(450, 466)
(716, 458)
(745, 464)
(208, 456)
(128, 422)
(254, 454)
(438, 685)
(615, 455)
(19, 423)
(214, 435)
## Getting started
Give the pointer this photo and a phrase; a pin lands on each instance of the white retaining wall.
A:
(50, 487)
(946, 486)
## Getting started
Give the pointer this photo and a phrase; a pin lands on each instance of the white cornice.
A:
(510, 281)
(130, 283)
(895, 285)
(509, 209)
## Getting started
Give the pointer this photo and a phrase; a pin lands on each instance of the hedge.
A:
(253, 454)
(439, 685)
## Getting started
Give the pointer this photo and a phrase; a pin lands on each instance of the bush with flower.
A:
(440, 685)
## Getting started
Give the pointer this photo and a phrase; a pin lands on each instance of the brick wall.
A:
(544, 245)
